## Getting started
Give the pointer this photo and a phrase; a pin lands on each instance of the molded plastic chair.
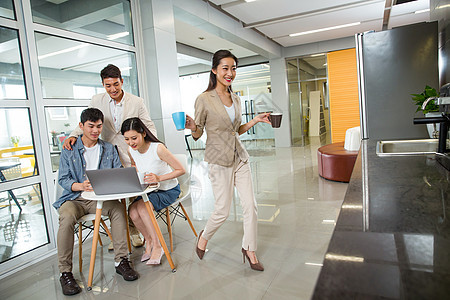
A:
(177, 208)
(27, 159)
(57, 192)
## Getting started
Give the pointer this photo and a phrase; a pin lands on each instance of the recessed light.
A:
(117, 35)
(422, 11)
(344, 257)
(313, 264)
(443, 6)
(324, 29)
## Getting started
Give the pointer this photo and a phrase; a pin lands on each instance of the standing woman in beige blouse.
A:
(218, 110)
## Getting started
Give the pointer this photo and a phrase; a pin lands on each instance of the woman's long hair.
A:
(137, 125)
(217, 57)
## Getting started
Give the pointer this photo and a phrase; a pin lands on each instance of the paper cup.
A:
(275, 119)
(179, 118)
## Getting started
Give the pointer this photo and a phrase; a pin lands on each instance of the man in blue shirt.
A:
(89, 152)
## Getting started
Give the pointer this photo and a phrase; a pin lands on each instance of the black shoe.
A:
(126, 271)
(68, 284)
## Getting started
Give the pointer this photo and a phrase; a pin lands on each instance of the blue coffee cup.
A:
(179, 118)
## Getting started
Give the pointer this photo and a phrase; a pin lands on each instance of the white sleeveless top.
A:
(150, 162)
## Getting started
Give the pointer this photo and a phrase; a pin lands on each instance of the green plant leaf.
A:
(419, 99)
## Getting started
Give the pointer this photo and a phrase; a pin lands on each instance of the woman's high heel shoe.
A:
(145, 257)
(258, 266)
(199, 251)
(156, 261)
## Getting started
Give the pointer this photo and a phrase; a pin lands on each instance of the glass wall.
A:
(22, 218)
(12, 83)
(48, 74)
(252, 84)
(109, 20)
(22, 221)
(16, 144)
(66, 65)
(307, 76)
(7, 9)
(61, 121)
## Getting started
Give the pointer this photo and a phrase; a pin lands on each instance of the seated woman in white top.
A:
(151, 157)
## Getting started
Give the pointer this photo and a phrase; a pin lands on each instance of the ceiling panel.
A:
(190, 35)
(287, 41)
(220, 2)
(270, 9)
(402, 20)
(276, 19)
(410, 7)
(404, 14)
(360, 14)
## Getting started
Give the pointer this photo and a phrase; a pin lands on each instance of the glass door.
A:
(308, 98)
(252, 85)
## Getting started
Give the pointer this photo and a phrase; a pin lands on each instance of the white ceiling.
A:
(196, 37)
(278, 18)
(274, 18)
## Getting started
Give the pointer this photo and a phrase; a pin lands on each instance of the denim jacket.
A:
(72, 167)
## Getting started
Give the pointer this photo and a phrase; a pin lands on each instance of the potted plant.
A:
(419, 99)
(430, 110)
(54, 139)
(15, 141)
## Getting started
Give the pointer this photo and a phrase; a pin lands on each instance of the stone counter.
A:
(392, 237)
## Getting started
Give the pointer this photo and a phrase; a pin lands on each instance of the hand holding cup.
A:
(275, 119)
(190, 123)
(179, 118)
(263, 117)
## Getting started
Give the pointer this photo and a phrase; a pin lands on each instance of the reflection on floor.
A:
(296, 209)
(21, 230)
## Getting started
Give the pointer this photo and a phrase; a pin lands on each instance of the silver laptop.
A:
(115, 181)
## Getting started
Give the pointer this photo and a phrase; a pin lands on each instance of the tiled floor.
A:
(297, 210)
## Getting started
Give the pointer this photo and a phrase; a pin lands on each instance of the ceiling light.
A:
(325, 29)
(344, 257)
(443, 6)
(351, 206)
(313, 264)
(250, 1)
(318, 54)
(117, 35)
(422, 11)
(329, 222)
(63, 51)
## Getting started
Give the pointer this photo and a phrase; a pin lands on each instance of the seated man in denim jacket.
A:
(89, 152)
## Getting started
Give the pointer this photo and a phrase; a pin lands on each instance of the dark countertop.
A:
(392, 237)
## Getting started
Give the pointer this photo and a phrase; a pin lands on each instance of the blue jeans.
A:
(162, 199)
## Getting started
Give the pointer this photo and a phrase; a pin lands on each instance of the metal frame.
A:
(36, 105)
(361, 85)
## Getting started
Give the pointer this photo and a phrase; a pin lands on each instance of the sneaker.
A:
(136, 240)
(68, 284)
(111, 246)
(126, 271)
